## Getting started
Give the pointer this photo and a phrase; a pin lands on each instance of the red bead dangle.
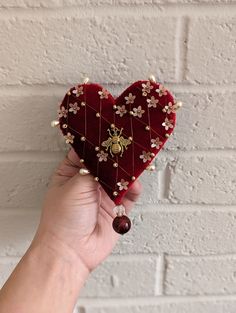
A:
(121, 223)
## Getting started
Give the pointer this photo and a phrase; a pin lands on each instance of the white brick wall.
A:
(180, 256)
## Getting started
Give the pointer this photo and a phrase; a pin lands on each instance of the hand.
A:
(79, 214)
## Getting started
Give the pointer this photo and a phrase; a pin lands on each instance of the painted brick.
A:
(26, 123)
(186, 211)
(203, 179)
(205, 122)
(212, 50)
(6, 267)
(55, 3)
(25, 182)
(194, 307)
(64, 50)
(200, 276)
(118, 278)
(149, 181)
(17, 231)
(111, 279)
(198, 123)
(180, 233)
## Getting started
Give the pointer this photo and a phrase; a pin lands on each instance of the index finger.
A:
(68, 168)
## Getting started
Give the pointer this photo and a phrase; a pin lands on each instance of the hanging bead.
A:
(121, 224)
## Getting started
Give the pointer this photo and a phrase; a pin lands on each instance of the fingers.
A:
(73, 158)
(84, 183)
(132, 196)
(68, 168)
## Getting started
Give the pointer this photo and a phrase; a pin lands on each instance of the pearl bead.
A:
(147, 128)
(115, 164)
(115, 193)
(83, 104)
(54, 123)
(64, 126)
(98, 115)
(96, 178)
(84, 171)
(86, 80)
(82, 138)
(96, 148)
(152, 78)
(112, 125)
(81, 160)
(133, 178)
(150, 168)
(178, 104)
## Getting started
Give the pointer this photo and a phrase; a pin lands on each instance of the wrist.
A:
(48, 246)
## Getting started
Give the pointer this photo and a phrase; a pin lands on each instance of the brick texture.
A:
(180, 233)
(87, 43)
(203, 115)
(195, 307)
(180, 255)
(61, 3)
(118, 278)
(206, 179)
(217, 51)
(200, 276)
(25, 182)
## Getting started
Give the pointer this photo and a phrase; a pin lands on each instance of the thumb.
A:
(82, 183)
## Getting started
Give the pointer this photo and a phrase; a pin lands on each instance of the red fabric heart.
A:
(98, 126)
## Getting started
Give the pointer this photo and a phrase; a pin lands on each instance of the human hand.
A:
(78, 213)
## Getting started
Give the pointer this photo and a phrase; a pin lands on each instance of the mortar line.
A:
(143, 256)
(147, 301)
(159, 275)
(181, 40)
(163, 182)
(60, 89)
(150, 208)
(216, 257)
(151, 10)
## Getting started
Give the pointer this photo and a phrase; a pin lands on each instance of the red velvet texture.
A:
(85, 122)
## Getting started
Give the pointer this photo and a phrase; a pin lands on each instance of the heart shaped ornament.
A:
(117, 138)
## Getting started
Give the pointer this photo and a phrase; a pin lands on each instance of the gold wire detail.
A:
(116, 143)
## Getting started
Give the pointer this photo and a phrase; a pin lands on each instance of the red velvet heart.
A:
(117, 138)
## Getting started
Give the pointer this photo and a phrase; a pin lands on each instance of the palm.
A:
(81, 212)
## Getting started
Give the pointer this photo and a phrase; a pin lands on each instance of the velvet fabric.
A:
(95, 110)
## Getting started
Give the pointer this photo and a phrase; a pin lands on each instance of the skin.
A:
(74, 236)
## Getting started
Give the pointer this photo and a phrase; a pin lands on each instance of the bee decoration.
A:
(116, 143)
